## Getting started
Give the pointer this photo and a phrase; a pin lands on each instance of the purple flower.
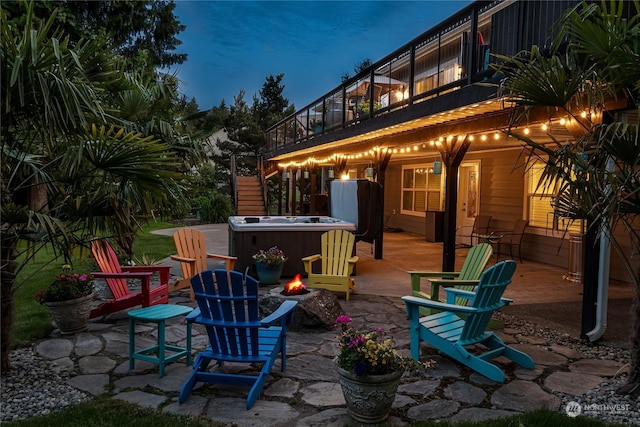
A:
(358, 369)
(344, 319)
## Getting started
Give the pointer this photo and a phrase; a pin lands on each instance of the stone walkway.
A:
(307, 393)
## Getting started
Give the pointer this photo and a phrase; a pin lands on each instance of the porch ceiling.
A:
(418, 136)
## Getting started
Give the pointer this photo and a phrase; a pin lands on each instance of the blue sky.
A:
(233, 45)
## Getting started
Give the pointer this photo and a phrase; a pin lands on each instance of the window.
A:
(421, 189)
(539, 205)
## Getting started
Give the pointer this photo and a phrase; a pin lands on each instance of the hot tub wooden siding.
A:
(295, 244)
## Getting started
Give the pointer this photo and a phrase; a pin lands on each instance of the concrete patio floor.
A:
(540, 292)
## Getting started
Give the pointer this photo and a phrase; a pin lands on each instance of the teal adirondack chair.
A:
(457, 326)
(466, 279)
(230, 314)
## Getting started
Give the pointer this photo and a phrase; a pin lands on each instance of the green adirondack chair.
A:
(466, 279)
(458, 326)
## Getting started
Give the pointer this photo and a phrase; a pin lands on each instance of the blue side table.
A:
(156, 353)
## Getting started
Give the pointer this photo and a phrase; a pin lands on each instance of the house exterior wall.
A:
(502, 187)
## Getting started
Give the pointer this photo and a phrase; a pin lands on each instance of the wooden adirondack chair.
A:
(457, 326)
(228, 309)
(337, 263)
(192, 254)
(116, 277)
(466, 279)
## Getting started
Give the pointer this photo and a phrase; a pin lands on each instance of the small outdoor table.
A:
(158, 314)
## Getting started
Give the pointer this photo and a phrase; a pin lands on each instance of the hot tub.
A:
(297, 236)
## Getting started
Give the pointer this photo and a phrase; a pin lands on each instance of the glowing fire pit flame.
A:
(295, 286)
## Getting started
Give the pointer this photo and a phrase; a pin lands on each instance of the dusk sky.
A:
(233, 45)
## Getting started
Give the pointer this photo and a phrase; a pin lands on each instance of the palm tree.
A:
(591, 74)
(66, 171)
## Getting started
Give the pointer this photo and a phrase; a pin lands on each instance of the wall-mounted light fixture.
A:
(369, 172)
(437, 167)
(306, 174)
(330, 173)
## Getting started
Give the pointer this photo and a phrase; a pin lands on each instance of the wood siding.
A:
(502, 188)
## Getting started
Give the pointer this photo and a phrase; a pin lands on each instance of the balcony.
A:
(430, 81)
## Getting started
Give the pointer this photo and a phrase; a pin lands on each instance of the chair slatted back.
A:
(108, 262)
(190, 243)
(475, 262)
(518, 231)
(481, 224)
(473, 266)
(493, 283)
(230, 312)
(337, 248)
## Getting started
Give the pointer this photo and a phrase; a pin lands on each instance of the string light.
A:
(371, 153)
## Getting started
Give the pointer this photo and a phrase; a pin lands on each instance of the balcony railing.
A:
(451, 55)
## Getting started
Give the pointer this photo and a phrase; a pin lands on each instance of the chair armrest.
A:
(311, 258)
(469, 295)
(285, 309)
(308, 260)
(453, 293)
(353, 260)
(191, 317)
(182, 259)
(442, 306)
(123, 275)
(417, 275)
(455, 282)
(146, 268)
(230, 261)
(441, 274)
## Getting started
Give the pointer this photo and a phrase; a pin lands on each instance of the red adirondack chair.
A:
(116, 277)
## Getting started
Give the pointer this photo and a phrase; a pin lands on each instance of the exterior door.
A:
(468, 199)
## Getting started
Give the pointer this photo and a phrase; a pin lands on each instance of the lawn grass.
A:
(32, 320)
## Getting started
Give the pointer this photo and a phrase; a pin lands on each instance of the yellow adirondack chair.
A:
(192, 254)
(336, 261)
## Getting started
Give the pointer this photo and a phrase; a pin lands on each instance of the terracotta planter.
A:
(269, 274)
(369, 397)
(71, 316)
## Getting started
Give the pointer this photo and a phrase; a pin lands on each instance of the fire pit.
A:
(295, 287)
(316, 307)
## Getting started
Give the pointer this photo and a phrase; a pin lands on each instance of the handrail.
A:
(329, 115)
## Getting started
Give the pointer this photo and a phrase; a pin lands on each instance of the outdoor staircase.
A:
(250, 197)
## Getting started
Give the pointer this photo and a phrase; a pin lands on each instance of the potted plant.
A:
(369, 369)
(269, 265)
(68, 299)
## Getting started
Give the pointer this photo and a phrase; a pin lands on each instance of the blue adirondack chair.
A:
(457, 326)
(230, 314)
